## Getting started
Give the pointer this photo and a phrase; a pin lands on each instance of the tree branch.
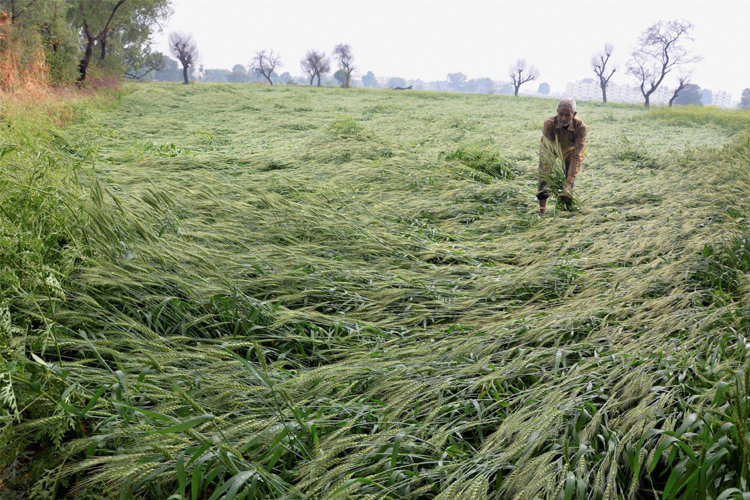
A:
(15, 15)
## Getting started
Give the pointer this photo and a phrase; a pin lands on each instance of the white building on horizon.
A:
(722, 99)
(589, 89)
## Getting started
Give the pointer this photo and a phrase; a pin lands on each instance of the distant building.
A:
(722, 99)
(588, 89)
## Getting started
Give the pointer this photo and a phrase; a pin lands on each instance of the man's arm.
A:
(576, 158)
(548, 135)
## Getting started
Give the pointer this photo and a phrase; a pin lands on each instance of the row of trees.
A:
(114, 36)
(71, 35)
(263, 64)
(316, 64)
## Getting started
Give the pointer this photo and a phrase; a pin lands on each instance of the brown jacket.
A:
(572, 142)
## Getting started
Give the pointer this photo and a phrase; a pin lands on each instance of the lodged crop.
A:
(270, 309)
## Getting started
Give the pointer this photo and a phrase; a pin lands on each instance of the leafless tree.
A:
(683, 80)
(660, 48)
(184, 48)
(264, 64)
(520, 74)
(599, 64)
(343, 53)
(315, 63)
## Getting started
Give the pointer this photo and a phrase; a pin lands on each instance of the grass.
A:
(290, 292)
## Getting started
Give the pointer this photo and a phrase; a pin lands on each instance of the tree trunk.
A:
(318, 79)
(312, 78)
(604, 93)
(103, 45)
(83, 66)
(185, 73)
(676, 92)
(516, 87)
(91, 39)
(269, 80)
(646, 100)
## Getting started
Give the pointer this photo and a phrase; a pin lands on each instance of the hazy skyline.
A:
(428, 40)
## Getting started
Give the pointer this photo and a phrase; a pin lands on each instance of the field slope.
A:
(294, 292)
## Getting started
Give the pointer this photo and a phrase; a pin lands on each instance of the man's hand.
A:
(567, 196)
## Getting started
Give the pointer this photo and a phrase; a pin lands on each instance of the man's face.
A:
(565, 115)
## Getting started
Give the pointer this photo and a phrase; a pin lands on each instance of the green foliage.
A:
(40, 243)
(397, 82)
(506, 89)
(238, 75)
(43, 27)
(172, 71)
(340, 76)
(53, 28)
(347, 127)
(483, 159)
(368, 324)
(745, 100)
(140, 62)
(689, 96)
(456, 81)
(370, 81)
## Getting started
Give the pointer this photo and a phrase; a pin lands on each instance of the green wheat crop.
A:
(236, 291)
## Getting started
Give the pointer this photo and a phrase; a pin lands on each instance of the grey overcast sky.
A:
(429, 39)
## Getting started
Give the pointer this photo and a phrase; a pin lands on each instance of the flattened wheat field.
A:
(295, 292)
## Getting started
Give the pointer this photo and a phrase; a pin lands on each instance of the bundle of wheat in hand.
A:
(553, 173)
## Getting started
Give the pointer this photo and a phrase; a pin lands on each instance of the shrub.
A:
(22, 60)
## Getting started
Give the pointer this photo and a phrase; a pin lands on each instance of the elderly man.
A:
(570, 133)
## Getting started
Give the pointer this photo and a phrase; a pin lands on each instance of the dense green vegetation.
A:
(59, 42)
(220, 291)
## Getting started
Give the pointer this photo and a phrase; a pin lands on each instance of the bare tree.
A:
(315, 63)
(683, 80)
(343, 53)
(599, 64)
(659, 50)
(520, 74)
(264, 65)
(184, 48)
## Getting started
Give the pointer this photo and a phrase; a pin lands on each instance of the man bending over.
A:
(570, 133)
